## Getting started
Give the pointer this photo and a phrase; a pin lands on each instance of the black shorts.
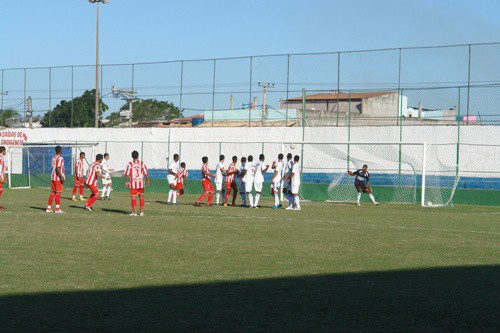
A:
(361, 187)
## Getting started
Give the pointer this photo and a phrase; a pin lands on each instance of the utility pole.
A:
(264, 100)
(30, 111)
(126, 95)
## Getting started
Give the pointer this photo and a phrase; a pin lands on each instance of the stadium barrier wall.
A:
(154, 144)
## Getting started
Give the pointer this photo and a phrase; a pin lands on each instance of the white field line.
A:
(359, 224)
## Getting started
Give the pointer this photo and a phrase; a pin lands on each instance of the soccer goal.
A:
(30, 165)
(399, 172)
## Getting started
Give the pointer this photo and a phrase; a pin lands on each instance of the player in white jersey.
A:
(173, 168)
(248, 178)
(3, 178)
(260, 169)
(278, 168)
(287, 187)
(242, 182)
(106, 181)
(295, 183)
(219, 178)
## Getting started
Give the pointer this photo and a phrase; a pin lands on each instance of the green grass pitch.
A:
(182, 268)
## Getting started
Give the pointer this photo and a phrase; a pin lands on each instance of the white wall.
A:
(120, 142)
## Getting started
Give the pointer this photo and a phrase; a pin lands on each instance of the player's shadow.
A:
(446, 299)
(112, 210)
(38, 208)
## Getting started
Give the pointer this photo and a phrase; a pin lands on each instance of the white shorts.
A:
(248, 186)
(106, 181)
(258, 186)
(218, 186)
(295, 188)
(171, 180)
(276, 186)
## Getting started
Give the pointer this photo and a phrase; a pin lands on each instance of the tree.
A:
(83, 112)
(6, 114)
(152, 109)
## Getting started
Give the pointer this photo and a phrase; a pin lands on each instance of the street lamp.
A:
(97, 61)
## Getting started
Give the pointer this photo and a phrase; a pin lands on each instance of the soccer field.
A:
(327, 267)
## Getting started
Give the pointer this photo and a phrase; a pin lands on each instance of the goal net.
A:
(31, 165)
(399, 172)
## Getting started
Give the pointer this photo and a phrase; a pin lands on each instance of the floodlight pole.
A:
(97, 69)
(264, 100)
(96, 109)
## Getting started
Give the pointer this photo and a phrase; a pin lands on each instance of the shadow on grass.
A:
(441, 299)
(38, 208)
(119, 211)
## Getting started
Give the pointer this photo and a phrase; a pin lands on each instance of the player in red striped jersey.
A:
(78, 179)
(57, 180)
(3, 178)
(182, 174)
(208, 189)
(93, 173)
(135, 173)
(232, 172)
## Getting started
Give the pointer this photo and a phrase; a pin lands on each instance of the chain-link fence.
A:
(226, 91)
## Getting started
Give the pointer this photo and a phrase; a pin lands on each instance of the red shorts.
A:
(93, 189)
(78, 182)
(179, 187)
(207, 185)
(1, 187)
(57, 186)
(134, 192)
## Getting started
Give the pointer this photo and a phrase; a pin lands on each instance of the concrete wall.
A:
(155, 144)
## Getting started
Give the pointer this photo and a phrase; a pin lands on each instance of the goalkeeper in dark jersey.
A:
(362, 183)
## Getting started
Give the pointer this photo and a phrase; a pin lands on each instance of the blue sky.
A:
(62, 32)
(47, 33)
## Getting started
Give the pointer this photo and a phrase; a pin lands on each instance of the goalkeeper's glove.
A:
(349, 173)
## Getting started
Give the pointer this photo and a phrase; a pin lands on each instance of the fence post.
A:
(458, 133)
(349, 132)
(180, 150)
(399, 81)
(1, 94)
(213, 93)
(24, 100)
(180, 92)
(72, 96)
(50, 96)
(287, 88)
(468, 84)
(250, 97)
(338, 87)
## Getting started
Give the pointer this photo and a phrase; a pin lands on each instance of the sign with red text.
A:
(13, 138)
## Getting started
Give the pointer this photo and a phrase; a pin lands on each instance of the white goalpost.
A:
(409, 172)
(29, 166)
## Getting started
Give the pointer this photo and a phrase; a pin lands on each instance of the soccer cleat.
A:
(280, 205)
(169, 203)
(133, 214)
(83, 199)
(89, 209)
(49, 210)
(357, 203)
(74, 199)
(108, 198)
(176, 203)
(58, 211)
(256, 207)
(297, 208)
(289, 208)
(141, 214)
(197, 204)
(375, 203)
(275, 207)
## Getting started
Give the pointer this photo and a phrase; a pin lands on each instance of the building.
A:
(364, 109)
